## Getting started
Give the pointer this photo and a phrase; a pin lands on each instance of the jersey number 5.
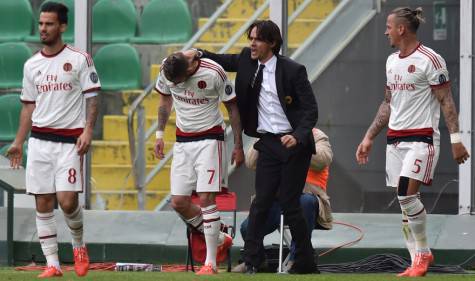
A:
(417, 166)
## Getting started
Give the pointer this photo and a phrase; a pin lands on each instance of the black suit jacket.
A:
(293, 88)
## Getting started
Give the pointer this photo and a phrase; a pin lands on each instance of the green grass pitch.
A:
(9, 274)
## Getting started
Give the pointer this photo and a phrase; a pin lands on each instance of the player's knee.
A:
(403, 186)
(68, 207)
(45, 203)
(179, 204)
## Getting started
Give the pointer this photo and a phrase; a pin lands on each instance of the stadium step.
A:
(117, 152)
(115, 127)
(125, 200)
(240, 10)
(224, 29)
(120, 177)
(245, 8)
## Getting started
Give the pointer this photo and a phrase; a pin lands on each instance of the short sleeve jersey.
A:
(415, 111)
(196, 100)
(57, 84)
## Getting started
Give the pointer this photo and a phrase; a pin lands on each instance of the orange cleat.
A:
(222, 252)
(405, 273)
(50, 272)
(81, 261)
(421, 264)
(207, 269)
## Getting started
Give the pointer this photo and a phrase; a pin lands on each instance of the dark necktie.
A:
(257, 80)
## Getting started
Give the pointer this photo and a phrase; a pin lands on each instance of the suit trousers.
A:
(281, 174)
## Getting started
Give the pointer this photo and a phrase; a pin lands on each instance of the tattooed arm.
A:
(238, 153)
(447, 104)
(164, 110)
(84, 140)
(380, 121)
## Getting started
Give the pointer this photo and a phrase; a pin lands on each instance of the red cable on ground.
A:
(346, 243)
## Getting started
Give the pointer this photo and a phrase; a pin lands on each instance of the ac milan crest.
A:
(201, 84)
(411, 68)
(93, 77)
(67, 67)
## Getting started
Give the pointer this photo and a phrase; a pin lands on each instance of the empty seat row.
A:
(161, 22)
(118, 66)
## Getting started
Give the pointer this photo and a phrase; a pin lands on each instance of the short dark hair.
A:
(60, 9)
(267, 31)
(412, 18)
(175, 66)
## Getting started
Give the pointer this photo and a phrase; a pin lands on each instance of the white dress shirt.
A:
(271, 116)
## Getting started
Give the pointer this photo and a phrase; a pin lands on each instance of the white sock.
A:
(416, 214)
(47, 233)
(196, 222)
(408, 237)
(211, 226)
(75, 224)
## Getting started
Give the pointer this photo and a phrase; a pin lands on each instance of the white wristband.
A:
(455, 138)
(159, 134)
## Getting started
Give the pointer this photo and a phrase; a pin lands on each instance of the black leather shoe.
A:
(250, 269)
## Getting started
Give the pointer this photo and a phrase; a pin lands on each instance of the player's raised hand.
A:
(15, 154)
(237, 156)
(83, 142)
(459, 152)
(362, 152)
(159, 146)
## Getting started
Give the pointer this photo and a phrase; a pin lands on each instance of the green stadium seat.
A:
(10, 108)
(12, 58)
(113, 21)
(68, 36)
(16, 20)
(4, 149)
(164, 22)
(118, 66)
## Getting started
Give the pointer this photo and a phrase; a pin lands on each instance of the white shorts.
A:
(52, 167)
(415, 160)
(196, 165)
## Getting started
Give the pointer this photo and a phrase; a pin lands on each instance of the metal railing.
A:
(334, 34)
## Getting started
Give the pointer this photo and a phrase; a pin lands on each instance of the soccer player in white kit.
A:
(418, 86)
(59, 82)
(196, 87)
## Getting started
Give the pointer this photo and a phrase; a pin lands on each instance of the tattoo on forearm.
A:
(382, 117)
(91, 112)
(163, 114)
(449, 110)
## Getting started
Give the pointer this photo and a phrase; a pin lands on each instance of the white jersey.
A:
(57, 84)
(415, 111)
(196, 100)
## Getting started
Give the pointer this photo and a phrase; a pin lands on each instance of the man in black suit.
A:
(277, 105)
